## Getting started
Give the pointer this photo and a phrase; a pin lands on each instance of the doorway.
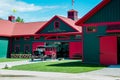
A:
(62, 48)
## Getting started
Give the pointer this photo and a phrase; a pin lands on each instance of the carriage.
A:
(44, 52)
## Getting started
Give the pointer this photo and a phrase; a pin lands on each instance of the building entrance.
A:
(62, 48)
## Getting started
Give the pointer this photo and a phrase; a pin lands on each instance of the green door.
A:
(3, 47)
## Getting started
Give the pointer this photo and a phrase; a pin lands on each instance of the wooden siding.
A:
(62, 28)
(23, 42)
(91, 52)
(109, 13)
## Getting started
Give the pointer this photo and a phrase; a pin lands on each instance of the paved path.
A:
(113, 70)
(110, 73)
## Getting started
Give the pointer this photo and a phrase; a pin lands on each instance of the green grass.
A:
(9, 59)
(66, 66)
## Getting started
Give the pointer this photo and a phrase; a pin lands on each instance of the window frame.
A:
(58, 25)
(91, 30)
(36, 37)
(17, 45)
(17, 38)
(25, 48)
(27, 38)
(78, 38)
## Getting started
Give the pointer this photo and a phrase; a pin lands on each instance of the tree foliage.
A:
(19, 19)
(1, 19)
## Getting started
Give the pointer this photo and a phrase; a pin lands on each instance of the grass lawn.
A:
(9, 59)
(66, 66)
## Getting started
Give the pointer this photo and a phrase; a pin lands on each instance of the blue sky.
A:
(42, 10)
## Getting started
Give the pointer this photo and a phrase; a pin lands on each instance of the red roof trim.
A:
(46, 24)
(112, 31)
(101, 24)
(92, 12)
(52, 34)
(67, 24)
(52, 20)
(2, 35)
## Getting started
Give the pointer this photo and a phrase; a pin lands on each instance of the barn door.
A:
(75, 50)
(3, 48)
(108, 50)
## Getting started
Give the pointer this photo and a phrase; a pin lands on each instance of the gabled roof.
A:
(27, 28)
(9, 29)
(6, 28)
(71, 23)
(92, 12)
(67, 21)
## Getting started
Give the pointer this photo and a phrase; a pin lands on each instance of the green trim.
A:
(91, 45)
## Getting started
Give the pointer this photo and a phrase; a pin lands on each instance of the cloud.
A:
(9, 5)
(51, 7)
(20, 6)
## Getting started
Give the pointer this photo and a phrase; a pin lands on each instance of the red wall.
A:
(36, 44)
(75, 48)
(108, 50)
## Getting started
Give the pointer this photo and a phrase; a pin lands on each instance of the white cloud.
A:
(51, 7)
(6, 7)
(9, 5)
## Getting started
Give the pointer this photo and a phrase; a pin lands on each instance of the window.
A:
(17, 49)
(70, 13)
(36, 37)
(26, 38)
(51, 38)
(57, 38)
(91, 29)
(63, 37)
(17, 38)
(26, 49)
(78, 37)
(56, 24)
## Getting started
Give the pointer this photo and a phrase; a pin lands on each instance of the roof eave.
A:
(92, 12)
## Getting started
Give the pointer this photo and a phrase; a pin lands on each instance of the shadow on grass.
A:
(76, 64)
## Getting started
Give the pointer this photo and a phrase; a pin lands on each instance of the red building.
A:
(101, 33)
(60, 33)
(95, 37)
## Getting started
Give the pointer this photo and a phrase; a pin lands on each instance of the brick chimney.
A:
(11, 18)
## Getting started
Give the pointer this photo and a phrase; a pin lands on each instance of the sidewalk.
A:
(110, 73)
(113, 70)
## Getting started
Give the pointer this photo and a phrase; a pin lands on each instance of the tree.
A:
(1, 19)
(19, 20)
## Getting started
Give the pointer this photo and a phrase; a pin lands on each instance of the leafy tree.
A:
(19, 19)
(1, 19)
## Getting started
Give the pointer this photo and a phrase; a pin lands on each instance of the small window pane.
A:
(56, 25)
(91, 29)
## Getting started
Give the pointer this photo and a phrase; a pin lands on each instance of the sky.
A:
(43, 10)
